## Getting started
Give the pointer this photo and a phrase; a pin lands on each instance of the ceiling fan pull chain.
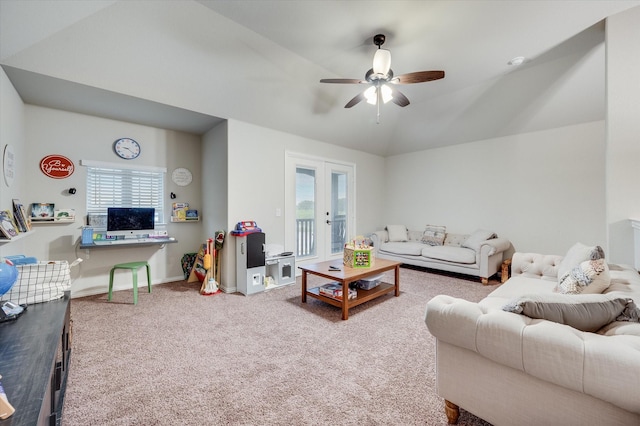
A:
(378, 104)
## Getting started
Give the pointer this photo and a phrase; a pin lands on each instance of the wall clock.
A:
(126, 148)
(181, 176)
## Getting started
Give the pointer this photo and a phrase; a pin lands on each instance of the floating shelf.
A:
(51, 221)
(17, 237)
(175, 219)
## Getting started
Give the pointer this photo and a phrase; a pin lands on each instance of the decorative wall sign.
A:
(8, 165)
(182, 176)
(57, 166)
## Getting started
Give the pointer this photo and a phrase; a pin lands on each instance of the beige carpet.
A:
(179, 358)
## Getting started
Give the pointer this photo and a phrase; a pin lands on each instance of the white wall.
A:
(215, 193)
(543, 191)
(623, 132)
(78, 137)
(256, 159)
(12, 133)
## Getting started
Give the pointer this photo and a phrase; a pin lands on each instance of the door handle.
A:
(328, 222)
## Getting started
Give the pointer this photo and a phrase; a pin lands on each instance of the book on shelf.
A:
(8, 227)
(179, 210)
(20, 215)
(334, 290)
(65, 215)
(42, 211)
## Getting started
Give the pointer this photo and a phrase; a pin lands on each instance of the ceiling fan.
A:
(381, 80)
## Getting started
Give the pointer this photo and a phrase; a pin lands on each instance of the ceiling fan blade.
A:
(418, 77)
(342, 80)
(356, 100)
(399, 98)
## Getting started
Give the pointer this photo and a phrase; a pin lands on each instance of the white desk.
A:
(131, 243)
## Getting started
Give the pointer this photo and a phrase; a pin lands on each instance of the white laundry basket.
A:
(40, 282)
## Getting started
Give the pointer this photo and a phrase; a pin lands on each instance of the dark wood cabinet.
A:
(34, 362)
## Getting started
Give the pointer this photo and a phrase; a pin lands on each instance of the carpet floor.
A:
(179, 358)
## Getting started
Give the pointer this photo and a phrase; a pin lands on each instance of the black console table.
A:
(34, 362)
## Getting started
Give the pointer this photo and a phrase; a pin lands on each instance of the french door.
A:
(320, 212)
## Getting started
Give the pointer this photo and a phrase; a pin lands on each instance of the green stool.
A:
(133, 266)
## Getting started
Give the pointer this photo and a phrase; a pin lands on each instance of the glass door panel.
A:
(338, 212)
(305, 212)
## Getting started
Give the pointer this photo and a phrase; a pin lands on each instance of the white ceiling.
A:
(187, 64)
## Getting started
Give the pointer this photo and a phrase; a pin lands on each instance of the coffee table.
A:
(347, 275)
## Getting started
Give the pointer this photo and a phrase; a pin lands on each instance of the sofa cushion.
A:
(450, 254)
(408, 248)
(455, 239)
(397, 232)
(589, 277)
(577, 254)
(586, 312)
(433, 235)
(477, 238)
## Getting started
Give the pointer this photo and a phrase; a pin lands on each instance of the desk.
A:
(130, 243)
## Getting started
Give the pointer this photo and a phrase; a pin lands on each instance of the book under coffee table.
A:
(347, 275)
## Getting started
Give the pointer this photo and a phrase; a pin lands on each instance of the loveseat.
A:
(478, 254)
(543, 369)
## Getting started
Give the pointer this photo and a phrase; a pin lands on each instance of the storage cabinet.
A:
(34, 362)
(250, 263)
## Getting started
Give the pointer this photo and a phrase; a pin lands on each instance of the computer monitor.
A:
(130, 221)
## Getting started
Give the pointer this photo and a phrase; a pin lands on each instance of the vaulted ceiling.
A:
(187, 64)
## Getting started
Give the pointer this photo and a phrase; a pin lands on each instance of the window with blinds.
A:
(112, 187)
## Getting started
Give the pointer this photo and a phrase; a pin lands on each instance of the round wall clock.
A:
(126, 148)
(181, 176)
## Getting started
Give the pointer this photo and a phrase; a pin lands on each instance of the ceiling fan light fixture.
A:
(378, 78)
(370, 95)
(381, 61)
(386, 92)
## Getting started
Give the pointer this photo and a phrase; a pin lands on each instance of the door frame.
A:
(294, 159)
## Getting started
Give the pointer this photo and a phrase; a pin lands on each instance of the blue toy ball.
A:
(8, 276)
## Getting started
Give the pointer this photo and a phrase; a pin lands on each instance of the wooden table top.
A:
(346, 272)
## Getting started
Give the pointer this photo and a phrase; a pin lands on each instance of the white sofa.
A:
(481, 257)
(510, 369)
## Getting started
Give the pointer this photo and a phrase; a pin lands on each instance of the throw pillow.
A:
(586, 312)
(434, 235)
(631, 313)
(397, 232)
(477, 238)
(577, 254)
(589, 277)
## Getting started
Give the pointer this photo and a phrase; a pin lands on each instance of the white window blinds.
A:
(113, 187)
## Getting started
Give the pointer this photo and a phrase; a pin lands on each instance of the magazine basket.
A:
(40, 282)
